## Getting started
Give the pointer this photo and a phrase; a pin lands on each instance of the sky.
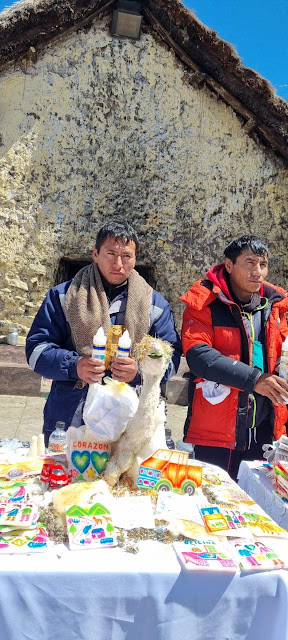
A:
(258, 30)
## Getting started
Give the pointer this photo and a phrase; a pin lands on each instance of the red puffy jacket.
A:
(209, 330)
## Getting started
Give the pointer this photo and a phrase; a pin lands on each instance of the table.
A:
(255, 482)
(107, 594)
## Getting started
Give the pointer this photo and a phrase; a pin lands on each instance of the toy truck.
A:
(168, 470)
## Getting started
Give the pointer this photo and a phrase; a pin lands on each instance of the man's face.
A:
(115, 259)
(247, 274)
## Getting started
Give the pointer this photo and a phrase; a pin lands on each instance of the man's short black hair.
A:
(119, 230)
(252, 243)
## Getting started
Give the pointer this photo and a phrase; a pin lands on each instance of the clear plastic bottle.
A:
(169, 440)
(57, 439)
(12, 337)
(283, 369)
(124, 345)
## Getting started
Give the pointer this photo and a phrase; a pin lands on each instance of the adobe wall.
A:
(99, 127)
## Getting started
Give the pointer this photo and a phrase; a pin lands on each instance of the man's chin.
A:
(114, 280)
(255, 289)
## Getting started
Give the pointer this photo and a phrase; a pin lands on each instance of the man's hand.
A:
(124, 369)
(275, 388)
(90, 369)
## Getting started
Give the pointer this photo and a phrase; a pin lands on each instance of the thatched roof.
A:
(28, 25)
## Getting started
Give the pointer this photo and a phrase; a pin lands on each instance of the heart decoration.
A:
(81, 460)
(99, 460)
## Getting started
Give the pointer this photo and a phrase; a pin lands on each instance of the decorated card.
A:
(213, 475)
(90, 528)
(231, 494)
(262, 525)
(21, 516)
(256, 555)
(208, 555)
(14, 492)
(174, 505)
(133, 512)
(24, 541)
(225, 521)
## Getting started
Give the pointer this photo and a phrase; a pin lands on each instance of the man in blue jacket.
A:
(109, 291)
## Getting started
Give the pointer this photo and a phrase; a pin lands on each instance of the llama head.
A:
(154, 355)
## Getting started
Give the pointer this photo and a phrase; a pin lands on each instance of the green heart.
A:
(99, 460)
(81, 460)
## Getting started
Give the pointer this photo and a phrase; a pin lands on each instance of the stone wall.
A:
(100, 127)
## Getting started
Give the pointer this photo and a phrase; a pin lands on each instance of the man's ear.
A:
(95, 254)
(228, 265)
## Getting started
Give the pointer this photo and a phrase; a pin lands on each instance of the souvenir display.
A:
(256, 555)
(23, 541)
(18, 516)
(281, 477)
(170, 470)
(228, 522)
(132, 512)
(111, 485)
(90, 528)
(208, 555)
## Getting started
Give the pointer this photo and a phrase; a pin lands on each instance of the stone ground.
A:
(21, 417)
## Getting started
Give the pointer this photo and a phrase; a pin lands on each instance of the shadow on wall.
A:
(68, 268)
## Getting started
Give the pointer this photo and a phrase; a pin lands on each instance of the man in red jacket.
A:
(233, 328)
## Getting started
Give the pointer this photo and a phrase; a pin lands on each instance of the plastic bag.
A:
(213, 392)
(108, 409)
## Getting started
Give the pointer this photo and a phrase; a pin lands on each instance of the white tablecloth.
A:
(111, 595)
(255, 482)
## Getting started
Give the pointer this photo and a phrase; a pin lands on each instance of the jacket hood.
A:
(203, 292)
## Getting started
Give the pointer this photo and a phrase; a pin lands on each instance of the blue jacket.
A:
(50, 352)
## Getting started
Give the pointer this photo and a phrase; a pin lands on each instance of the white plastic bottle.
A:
(99, 344)
(283, 369)
(124, 344)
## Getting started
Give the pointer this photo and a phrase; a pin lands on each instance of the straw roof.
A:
(29, 25)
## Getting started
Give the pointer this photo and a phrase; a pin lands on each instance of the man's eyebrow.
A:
(255, 258)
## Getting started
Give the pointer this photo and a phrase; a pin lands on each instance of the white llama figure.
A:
(154, 356)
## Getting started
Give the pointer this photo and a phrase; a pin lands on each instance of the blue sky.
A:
(258, 30)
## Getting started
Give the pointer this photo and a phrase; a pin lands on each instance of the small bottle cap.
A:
(167, 432)
(60, 425)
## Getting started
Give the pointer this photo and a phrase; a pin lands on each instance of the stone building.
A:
(169, 130)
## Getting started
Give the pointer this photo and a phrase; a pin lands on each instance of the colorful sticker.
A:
(21, 516)
(205, 554)
(90, 528)
(256, 555)
(20, 541)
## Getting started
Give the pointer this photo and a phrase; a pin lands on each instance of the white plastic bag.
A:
(213, 392)
(108, 408)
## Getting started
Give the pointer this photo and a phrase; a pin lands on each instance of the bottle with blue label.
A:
(124, 345)
(99, 344)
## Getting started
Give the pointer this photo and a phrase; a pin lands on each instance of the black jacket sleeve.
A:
(208, 363)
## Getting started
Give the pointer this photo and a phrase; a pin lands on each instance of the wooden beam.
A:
(26, 54)
(249, 125)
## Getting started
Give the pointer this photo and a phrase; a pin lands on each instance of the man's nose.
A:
(257, 268)
(118, 262)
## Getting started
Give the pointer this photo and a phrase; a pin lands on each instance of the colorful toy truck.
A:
(168, 470)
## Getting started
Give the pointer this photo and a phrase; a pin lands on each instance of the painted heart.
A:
(99, 460)
(81, 460)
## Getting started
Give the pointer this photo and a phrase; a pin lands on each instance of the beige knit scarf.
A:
(86, 307)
